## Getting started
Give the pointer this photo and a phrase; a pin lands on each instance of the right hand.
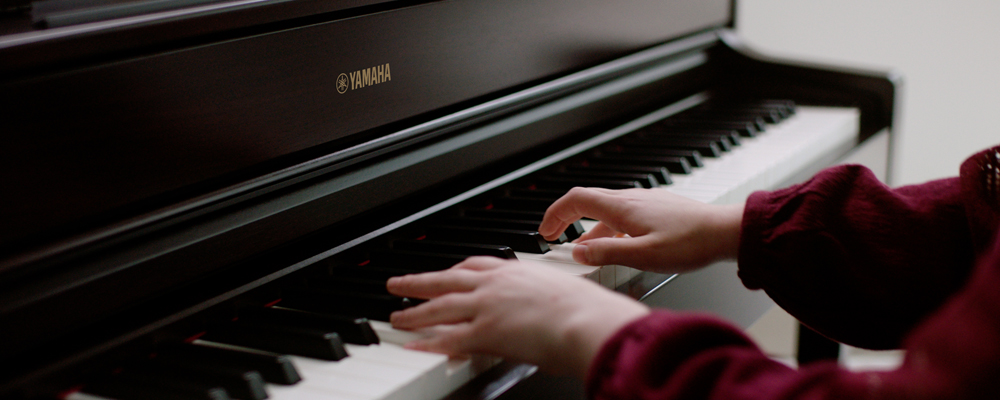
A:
(665, 232)
(516, 310)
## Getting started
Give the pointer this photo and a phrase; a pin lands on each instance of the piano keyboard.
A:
(381, 368)
(382, 371)
(759, 163)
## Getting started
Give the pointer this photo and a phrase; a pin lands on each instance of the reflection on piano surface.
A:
(231, 226)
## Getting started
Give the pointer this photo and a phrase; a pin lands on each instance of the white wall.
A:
(947, 51)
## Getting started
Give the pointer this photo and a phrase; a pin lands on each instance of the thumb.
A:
(630, 251)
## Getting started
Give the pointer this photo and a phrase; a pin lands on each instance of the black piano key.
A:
(757, 121)
(746, 129)
(501, 224)
(503, 214)
(550, 195)
(777, 113)
(676, 165)
(661, 174)
(724, 141)
(350, 329)
(140, 386)
(693, 154)
(707, 147)
(572, 232)
(646, 180)
(519, 240)
(768, 115)
(239, 382)
(468, 249)
(413, 260)
(280, 339)
(365, 285)
(785, 106)
(273, 368)
(366, 305)
(521, 203)
(369, 272)
(694, 157)
(569, 183)
(732, 136)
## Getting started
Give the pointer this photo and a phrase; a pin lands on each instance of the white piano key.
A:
(622, 275)
(457, 371)
(300, 392)
(561, 258)
(588, 224)
(385, 372)
(365, 378)
(608, 277)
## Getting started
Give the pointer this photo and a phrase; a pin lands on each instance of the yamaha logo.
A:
(363, 78)
(342, 84)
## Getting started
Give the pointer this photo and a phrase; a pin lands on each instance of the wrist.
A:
(587, 334)
(726, 226)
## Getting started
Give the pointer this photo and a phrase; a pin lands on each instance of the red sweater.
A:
(916, 267)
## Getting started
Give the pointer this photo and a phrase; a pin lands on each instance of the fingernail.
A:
(580, 254)
(392, 281)
(414, 345)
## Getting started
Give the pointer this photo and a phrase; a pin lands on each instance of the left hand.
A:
(520, 311)
(652, 230)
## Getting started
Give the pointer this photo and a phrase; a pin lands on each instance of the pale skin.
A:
(530, 313)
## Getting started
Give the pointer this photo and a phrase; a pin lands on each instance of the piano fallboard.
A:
(166, 179)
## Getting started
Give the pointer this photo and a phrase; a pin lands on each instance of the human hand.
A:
(516, 310)
(666, 232)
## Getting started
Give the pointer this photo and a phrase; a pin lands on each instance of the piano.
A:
(203, 199)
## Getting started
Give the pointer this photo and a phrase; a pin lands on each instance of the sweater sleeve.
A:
(953, 354)
(854, 259)
(668, 355)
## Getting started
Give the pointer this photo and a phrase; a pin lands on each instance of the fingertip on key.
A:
(418, 344)
(580, 254)
(545, 231)
(395, 318)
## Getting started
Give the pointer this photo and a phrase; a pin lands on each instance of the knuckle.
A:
(577, 191)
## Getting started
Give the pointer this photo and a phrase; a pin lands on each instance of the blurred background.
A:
(948, 56)
(947, 53)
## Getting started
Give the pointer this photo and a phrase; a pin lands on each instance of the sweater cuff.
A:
(646, 351)
(754, 231)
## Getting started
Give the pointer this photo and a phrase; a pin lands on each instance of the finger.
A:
(433, 284)
(448, 309)
(600, 204)
(481, 263)
(455, 341)
(601, 230)
(629, 251)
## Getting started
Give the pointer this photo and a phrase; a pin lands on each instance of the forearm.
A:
(853, 258)
(688, 356)
(952, 354)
